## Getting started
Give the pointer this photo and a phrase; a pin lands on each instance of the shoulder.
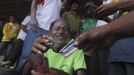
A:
(48, 52)
(78, 52)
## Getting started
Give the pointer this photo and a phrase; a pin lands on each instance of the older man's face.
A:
(60, 34)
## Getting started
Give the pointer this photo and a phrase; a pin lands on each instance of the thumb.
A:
(34, 73)
(80, 39)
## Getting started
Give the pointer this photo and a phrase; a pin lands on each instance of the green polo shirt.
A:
(68, 64)
(88, 24)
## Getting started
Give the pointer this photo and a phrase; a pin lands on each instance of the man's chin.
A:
(58, 45)
(60, 39)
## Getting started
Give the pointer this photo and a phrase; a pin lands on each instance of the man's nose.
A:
(61, 31)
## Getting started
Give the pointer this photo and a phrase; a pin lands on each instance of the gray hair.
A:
(61, 19)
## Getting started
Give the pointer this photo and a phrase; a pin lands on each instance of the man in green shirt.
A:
(60, 34)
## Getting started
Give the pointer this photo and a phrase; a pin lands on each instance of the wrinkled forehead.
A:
(61, 23)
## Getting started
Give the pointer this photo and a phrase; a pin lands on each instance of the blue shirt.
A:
(122, 51)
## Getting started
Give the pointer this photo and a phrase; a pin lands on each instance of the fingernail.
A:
(39, 52)
(46, 40)
(76, 43)
(44, 48)
(50, 38)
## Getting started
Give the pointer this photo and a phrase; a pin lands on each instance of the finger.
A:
(34, 73)
(40, 40)
(52, 70)
(98, 9)
(35, 49)
(101, 10)
(46, 37)
(39, 46)
(80, 39)
(55, 71)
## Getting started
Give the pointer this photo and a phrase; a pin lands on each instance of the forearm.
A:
(23, 27)
(126, 5)
(81, 73)
(122, 27)
(64, 3)
(33, 9)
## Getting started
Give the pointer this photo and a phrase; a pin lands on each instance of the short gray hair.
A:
(61, 19)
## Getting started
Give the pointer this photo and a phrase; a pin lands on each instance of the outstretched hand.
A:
(96, 38)
(107, 9)
(40, 44)
(52, 71)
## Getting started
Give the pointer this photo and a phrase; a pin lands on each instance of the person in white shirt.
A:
(43, 12)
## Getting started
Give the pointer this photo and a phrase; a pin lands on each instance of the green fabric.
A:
(73, 62)
(88, 24)
(74, 21)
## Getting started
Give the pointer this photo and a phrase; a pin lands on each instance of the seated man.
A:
(60, 34)
(10, 32)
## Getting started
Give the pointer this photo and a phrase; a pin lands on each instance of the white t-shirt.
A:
(26, 21)
(107, 1)
(48, 13)
(101, 23)
(23, 34)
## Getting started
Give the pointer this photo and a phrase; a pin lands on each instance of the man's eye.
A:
(57, 29)
(65, 29)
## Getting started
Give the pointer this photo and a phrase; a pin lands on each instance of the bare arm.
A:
(123, 27)
(27, 68)
(108, 9)
(64, 3)
(126, 5)
(101, 36)
(33, 21)
(33, 9)
(52, 71)
(81, 73)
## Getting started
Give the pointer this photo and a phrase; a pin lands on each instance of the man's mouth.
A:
(60, 36)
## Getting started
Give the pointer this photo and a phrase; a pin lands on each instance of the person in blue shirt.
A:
(117, 36)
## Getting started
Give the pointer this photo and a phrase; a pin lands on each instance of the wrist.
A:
(106, 31)
(111, 31)
(122, 5)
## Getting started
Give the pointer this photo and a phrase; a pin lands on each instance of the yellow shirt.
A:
(115, 1)
(10, 31)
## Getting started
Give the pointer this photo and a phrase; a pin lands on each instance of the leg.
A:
(116, 69)
(94, 64)
(16, 51)
(3, 47)
(129, 68)
(103, 64)
(31, 36)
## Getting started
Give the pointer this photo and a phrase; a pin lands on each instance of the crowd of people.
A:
(85, 40)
